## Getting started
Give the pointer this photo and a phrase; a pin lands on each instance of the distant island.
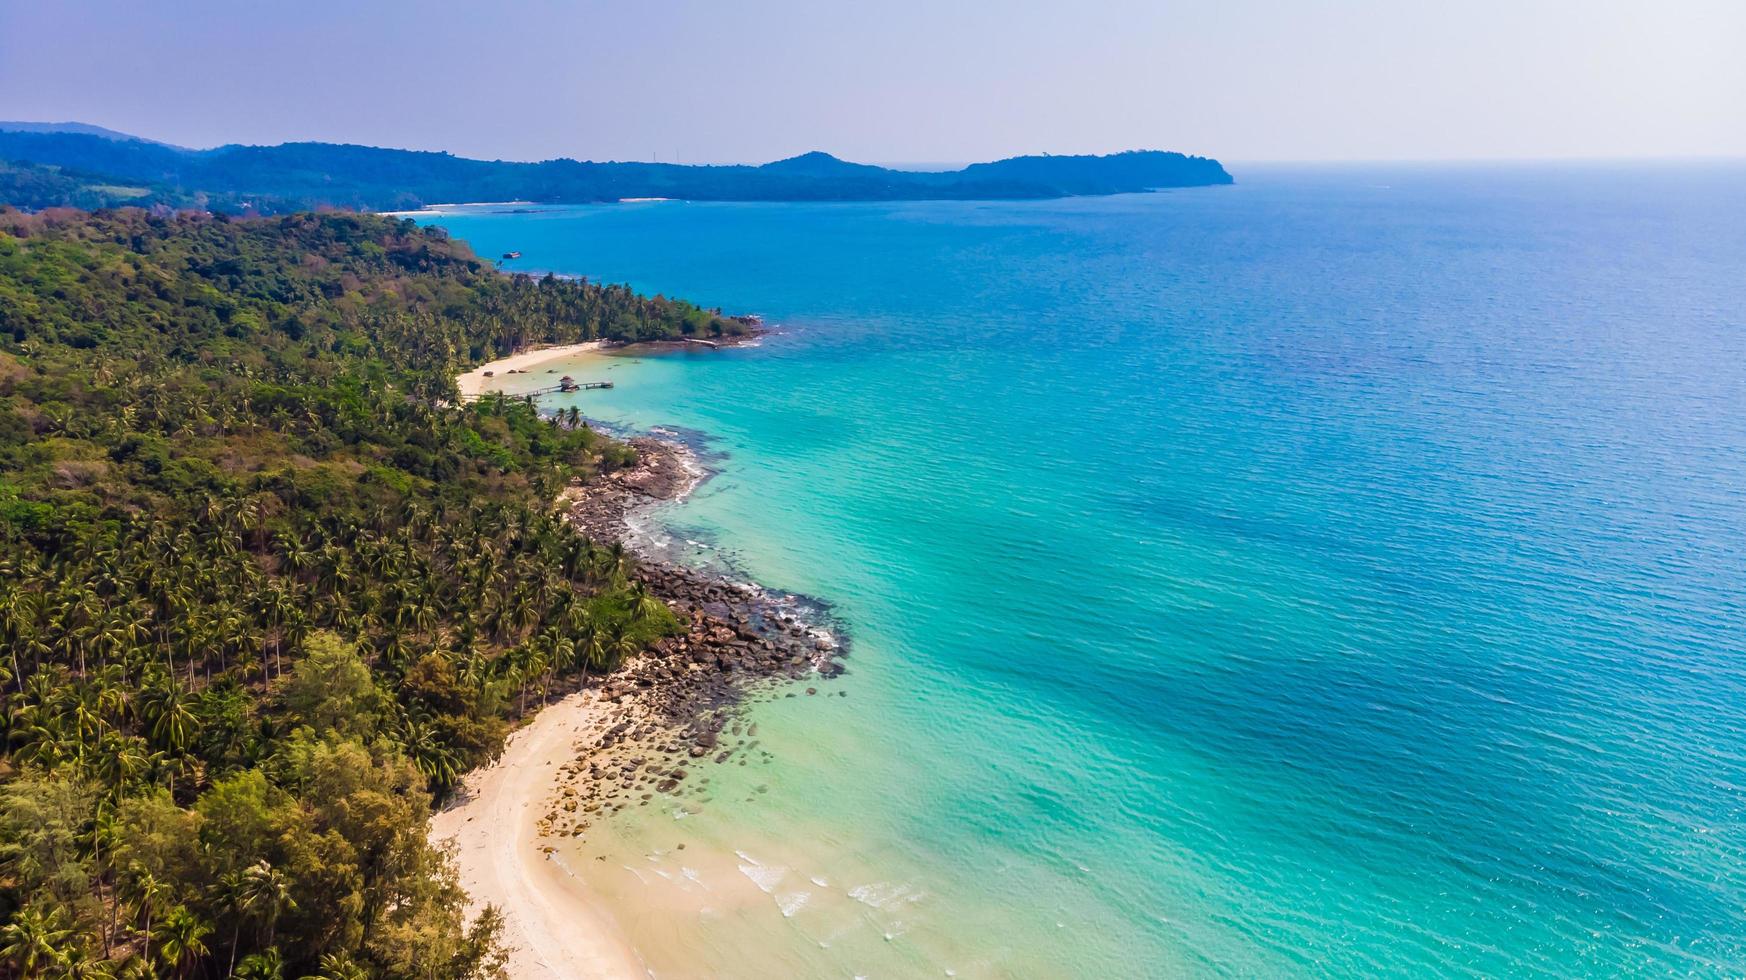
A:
(79, 165)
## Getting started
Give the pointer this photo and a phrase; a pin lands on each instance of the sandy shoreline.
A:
(631, 738)
(475, 382)
(429, 210)
(553, 928)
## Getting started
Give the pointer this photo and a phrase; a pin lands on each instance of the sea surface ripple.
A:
(1343, 572)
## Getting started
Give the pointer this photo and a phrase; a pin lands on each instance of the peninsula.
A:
(271, 588)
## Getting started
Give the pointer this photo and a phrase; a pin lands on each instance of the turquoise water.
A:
(1342, 572)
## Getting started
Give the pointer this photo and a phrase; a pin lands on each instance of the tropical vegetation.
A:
(268, 587)
(33, 187)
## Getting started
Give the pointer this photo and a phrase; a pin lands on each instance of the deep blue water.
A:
(1344, 571)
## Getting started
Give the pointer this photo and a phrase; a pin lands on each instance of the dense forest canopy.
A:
(267, 589)
(290, 176)
(36, 186)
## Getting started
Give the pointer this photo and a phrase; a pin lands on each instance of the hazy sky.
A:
(896, 80)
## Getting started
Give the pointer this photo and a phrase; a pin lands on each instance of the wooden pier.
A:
(563, 386)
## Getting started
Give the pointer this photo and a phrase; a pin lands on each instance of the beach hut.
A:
(566, 383)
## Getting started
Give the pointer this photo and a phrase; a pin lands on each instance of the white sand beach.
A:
(436, 209)
(554, 927)
(490, 377)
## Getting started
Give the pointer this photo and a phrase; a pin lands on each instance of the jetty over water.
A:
(565, 385)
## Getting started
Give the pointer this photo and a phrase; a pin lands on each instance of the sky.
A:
(700, 81)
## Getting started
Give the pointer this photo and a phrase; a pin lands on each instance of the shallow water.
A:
(1340, 572)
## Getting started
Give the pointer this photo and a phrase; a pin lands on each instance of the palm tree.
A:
(78, 963)
(265, 965)
(642, 603)
(169, 720)
(33, 940)
(266, 892)
(590, 650)
(430, 756)
(18, 624)
(526, 662)
(184, 939)
(104, 832)
(120, 759)
(257, 513)
(148, 891)
(620, 645)
(617, 560)
(564, 657)
(338, 966)
(233, 895)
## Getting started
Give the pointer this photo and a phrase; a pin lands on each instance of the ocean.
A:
(1338, 573)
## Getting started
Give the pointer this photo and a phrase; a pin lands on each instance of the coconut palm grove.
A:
(267, 587)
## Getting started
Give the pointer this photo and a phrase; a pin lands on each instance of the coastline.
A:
(441, 208)
(475, 382)
(437, 209)
(631, 738)
(552, 928)
(485, 376)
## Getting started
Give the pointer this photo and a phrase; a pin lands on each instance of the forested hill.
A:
(265, 589)
(293, 176)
